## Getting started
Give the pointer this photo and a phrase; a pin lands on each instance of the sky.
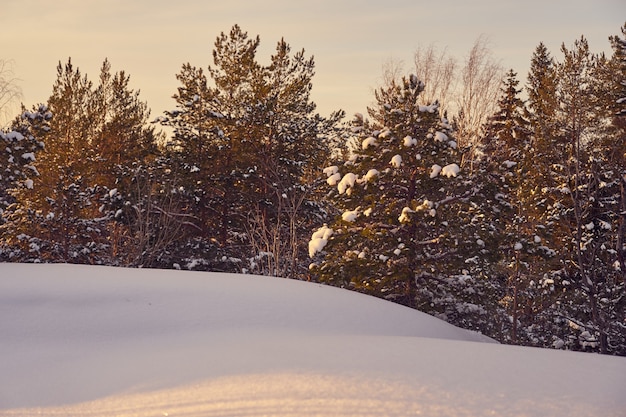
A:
(350, 40)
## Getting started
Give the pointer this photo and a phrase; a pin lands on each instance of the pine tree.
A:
(616, 109)
(132, 199)
(95, 131)
(576, 187)
(122, 133)
(246, 150)
(573, 196)
(581, 209)
(62, 193)
(402, 232)
(599, 206)
(22, 144)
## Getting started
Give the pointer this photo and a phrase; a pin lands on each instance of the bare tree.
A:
(10, 92)
(393, 70)
(277, 241)
(154, 220)
(467, 95)
(437, 70)
(477, 98)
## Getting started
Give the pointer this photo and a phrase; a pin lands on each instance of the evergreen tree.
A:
(598, 208)
(247, 149)
(546, 143)
(510, 167)
(543, 200)
(615, 150)
(62, 194)
(21, 143)
(405, 229)
(575, 209)
(572, 197)
(95, 130)
(122, 133)
(578, 204)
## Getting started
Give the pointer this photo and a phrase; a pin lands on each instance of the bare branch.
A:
(10, 92)
(437, 71)
(477, 99)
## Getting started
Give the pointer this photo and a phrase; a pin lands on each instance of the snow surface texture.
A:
(99, 341)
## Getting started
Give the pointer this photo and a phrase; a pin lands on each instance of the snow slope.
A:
(99, 341)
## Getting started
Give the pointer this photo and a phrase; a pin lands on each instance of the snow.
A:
(370, 141)
(15, 136)
(28, 183)
(396, 161)
(385, 134)
(333, 179)
(409, 141)
(451, 170)
(435, 170)
(28, 156)
(346, 182)
(331, 170)
(605, 225)
(319, 239)
(441, 137)
(100, 341)
(371, 174)
(405, 215)
(350, 215)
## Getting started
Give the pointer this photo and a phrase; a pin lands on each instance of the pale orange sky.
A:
(351, 40)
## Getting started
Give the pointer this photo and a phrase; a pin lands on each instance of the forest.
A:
(493, 203)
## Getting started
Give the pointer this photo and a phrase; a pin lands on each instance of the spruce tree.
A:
(404, 231)
(22, 145)
(509, 165)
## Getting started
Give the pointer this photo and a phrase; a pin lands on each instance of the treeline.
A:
(496, 213)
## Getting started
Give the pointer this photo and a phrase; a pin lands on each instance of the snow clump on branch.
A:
(319, 239)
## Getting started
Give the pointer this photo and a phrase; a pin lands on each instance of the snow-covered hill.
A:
(99, 341)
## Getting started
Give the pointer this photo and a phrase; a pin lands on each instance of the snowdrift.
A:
(100, 341)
